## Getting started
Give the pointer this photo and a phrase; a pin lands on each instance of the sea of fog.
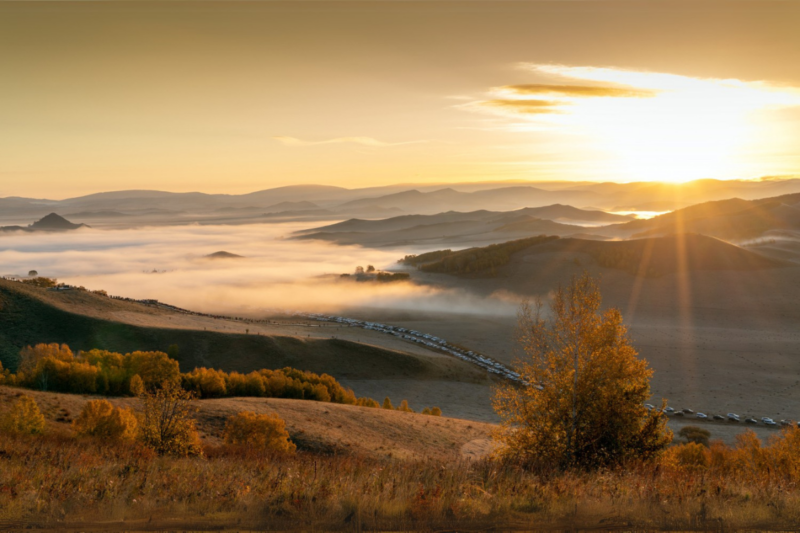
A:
(277, 274)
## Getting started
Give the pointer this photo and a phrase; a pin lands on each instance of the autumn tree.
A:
(24, 418)
(30, 356)
(166, 423)
(582, 392)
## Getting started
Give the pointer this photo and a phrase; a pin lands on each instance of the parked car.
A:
(702, 416)
(719, 417)
(733, 416)
(670, 410)
(751, 420)
(688, 411)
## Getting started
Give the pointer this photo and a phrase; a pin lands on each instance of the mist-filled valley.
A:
(706, 290)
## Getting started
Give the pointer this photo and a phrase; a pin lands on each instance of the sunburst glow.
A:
(653, 126)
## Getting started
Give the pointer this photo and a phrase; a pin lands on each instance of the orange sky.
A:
(235, 97)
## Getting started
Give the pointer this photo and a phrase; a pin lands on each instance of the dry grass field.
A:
(314, 426)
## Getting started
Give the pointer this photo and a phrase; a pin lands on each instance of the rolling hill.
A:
(30, 315)
(732, 219)
(650, 257)
(315, 426)
(452, 227)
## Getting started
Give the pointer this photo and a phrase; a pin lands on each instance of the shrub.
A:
(24, 418)
(261, 432)
(426, 411)
(387, 403)
(691, 455)
(102, 420)
(435, 411)
(367, 402)
(404, 407)
(166, 422)
(695, 434)
(42, 282)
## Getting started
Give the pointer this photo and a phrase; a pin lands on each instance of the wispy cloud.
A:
(365, 141)
(525, 107)
(577, 91)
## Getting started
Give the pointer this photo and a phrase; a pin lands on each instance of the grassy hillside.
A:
(27, 318)
(483, 260)
(655, 256)
(726, 219)
(313, 426)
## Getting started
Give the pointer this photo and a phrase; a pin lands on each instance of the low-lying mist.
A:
(275, 274)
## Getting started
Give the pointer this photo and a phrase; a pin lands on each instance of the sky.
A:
(233, 97)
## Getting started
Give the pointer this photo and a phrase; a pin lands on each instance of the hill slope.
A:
(342, 429)
(655, 256)
(733, 219)
(26, 317)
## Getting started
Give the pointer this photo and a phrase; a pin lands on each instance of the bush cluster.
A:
(53, 367)
(102, 420)
(258, 432)
(387, 404)
(50, 367)
(282, 383)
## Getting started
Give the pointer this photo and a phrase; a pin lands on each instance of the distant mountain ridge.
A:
(324, 202)
(51, 222)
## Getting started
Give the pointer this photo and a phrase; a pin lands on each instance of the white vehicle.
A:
(770, 423)
(649, 406)
(733, 416)
(669, 410)
(766, 419)
(702, 415)
(688, 411)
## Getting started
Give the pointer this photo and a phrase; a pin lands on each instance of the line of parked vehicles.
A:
(426, 339)
(730, 417)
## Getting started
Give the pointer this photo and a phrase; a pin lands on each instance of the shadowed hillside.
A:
(27, 320)
(650, 257)
(733, 219)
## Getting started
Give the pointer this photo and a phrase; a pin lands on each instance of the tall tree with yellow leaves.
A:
(582, 398)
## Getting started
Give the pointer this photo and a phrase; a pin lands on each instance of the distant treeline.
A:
(473, 260)
(53, 367)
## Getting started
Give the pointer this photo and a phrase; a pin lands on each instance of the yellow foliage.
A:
(30, 356)
(102, 420)
(24, 418)
(205, 382)
(435, 411)
(691, 455)
(367, 402)
(582, 402)
(404, 407)
(153, 367)
(137, 385)
(263, 432)
(166, 423)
